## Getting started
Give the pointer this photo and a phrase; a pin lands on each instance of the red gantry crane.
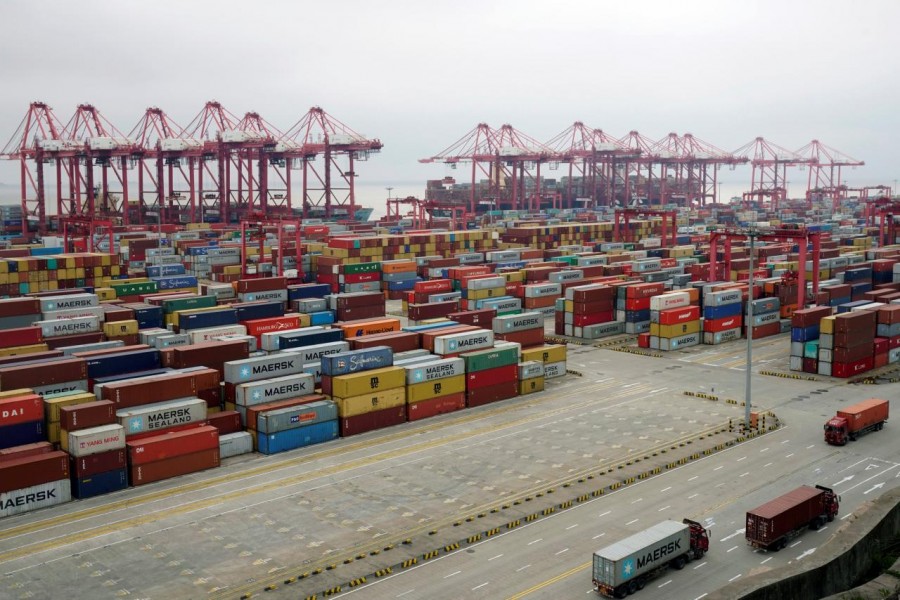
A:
(769, 162)
(825, 172)
(694, 168)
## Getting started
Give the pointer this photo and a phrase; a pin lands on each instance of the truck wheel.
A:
(620, 592)
(815, 524)
(830, 517)
(679, 562)
(640, 584)
(632, 586)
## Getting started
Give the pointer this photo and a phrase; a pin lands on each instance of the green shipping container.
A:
(134, 289)
(176, 304)
(371, 267)
(481, 360)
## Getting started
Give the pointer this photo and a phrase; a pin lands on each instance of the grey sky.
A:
(418, 75)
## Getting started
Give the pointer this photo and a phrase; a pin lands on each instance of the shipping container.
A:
(32, 498)
(297, 438)
(101, 462)
(172, 444)
(772, 525)
(282, 419)
(277, 388)
(235, 444)
(93, 440)
(358, 405)
(357, 384)
(21, 409)
(356, 361)
(372, 420)
(161, 415)
(22, 433)
(25, 450)
(464, 342)
(492, 393)
(159, 470)
(262, 367)
(89, 486)
(28, 471)
(427, 390)
(853, 421)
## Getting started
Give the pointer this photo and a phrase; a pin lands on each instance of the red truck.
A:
(853, 421)
(772, 525)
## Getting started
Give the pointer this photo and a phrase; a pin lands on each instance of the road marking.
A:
(700, 565)
(741, 458)
(730, 549)
(694, 496)
(572, 526)
(736, 533)
(846, 516)
(823, 529)
(550, 581)
(767, 465)
(865, 481)
(807, 553)
(664, 508)
(561, 551)
(492, 558)
(452, 574)
(480, 586)
(745, 474)
(719, 467)
(789, 455)
(535, 541)
(693, 478)
(604, 514)
(796, 543)
(763, 450)
(406, 592)
(810, 446)
(665, 584)
(874, 487)
(701, 596)
(636, 501)
(785, 441)
(735, 577)
(767, 560)
(632, 522)
(599, 535)
(665, 489)
(523, 568)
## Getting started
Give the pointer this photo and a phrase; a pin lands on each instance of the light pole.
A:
(389, 190)
(751, 233)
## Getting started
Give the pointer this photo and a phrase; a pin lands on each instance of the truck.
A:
(772, 525)
(854, 421)
(625, 567)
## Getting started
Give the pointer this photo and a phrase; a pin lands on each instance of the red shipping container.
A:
(888, 315)
(210, 354)
(30, 376)
(644, 291)
(861, 321)
(490, 377)
(64, 341)
(226, 421)
(482, 317)
(129, 393)
(17, 358)
(25, 451)
(263, 284)
(854, 339)
(398, 341)
(20, 336)
(21, 409)
(257, 327)
(675, 316)
(433, 310)
(637, 303)
(589, 308)
(171, 444)
(880, 360)
(434, 286)
(593, 319)
(808, 317)
(492, 393)
(769, 329)
(848, 369)
(83, 416)
(436, 406)
(527, 337)
(93, 464)
(723, 324)
(643, 340)
(356, 313)
(881, 345)
(173, 467)
(359, 300)
(17, 307)
(894, 342)
(377, 419)
(593, 294)
(851, 355)
(20, 473)
(810, 365)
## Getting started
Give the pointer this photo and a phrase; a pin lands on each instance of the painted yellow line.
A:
(550, 581)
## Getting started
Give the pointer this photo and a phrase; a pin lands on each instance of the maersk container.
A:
(554, 369)
(277, 388)
(310, 305)
(74, 313)
(764, 318)
(292, 417)
(503, 305)
(531, 369)
(63, 327)
(520, 322)
(542, 290)
(599, 330)
(262, 367)
(162, 415)
(99, 484)
(640, 553)
(276, 295)
(682, 341)
(235, 444)
(68, 301)
(292, 439)
(318, 351)
(720, 337)
(464, 342)
(35, 497)
(723, 297)
(355, 361)
(434, 369)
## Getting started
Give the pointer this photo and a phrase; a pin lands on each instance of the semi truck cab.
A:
(837, 431)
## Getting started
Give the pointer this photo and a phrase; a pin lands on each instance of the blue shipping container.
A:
(248, 311)
(211, 318)
(121, 376)
(126, 362)
(164, 270)
(309, 338)
(805, 334)
(720, 312)
(326, 317)
(297, 438)
(22, 433)
(308, 290)
(402, 286)
(357, 361)
(99, 484)
(639, 316)
(175, 282)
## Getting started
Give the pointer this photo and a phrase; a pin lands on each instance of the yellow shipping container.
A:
(17, 350)
(14, 393)
(550, 353)
(52, 405)
(486, 293)
(366, 403)
(826, 325)
(437, 387)
(529, 386)
(53, 434)
(358, 384)
(514, 277)
(120, 328)
(670, 331)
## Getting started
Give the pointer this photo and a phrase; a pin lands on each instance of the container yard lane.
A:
(551, 558)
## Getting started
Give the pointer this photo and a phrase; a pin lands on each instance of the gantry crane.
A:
(768, 183)
(625, 214)
(825, 172)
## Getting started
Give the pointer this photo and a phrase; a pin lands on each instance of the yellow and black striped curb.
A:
(574, 372)
(789, 375)
(703, 395)
(409, 562)
(638, 351)
(383, 572)
(332, 591)
(356, 582)
(430, 555)
(313, 597)
(513, 524)
(452, 547)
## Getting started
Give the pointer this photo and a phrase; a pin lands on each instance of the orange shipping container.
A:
(354, 329)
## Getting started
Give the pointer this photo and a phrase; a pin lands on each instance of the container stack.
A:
(98, 464)
(359, 277)
(477, 290)
(552, 356)
(589, 312)
(435, 387)
(173, 453)
(805, 340)
(368, 390)
(674, 322)
(256, 397)
(296, 426)
(31, 477)
(492, 374)
(526, 329)
(531, 377)
(722, 318)
(357, 305)
(766, 317)
(853, 350)
(53, 405)
(633, 305)
(21, 418)
(398, 277)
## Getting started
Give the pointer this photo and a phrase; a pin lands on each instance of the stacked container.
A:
(171, 454)
(526, 329)
(805, 338)
(674, 323)
(435, 387)
(98, 454)
(398, 277)
(292, 427)
(633, 305)
(552, 356)
(722, 318)
(21, 418)
(359, 277)
(853, 342)
(766, 317)
(589, 311)
(531, 377)
(492, 374)
(33, 476)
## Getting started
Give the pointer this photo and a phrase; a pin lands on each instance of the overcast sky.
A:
(419, 75)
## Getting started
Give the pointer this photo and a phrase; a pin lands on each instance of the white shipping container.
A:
(80, 385)
(263, 367)
(74, 313)
(37, 496)
(682, 341)
(670, 300)
(464, 342)
(95, 440)
(235, 444)
(278, 295)
(206, 334)
(251, 340)
(553, 370)
(541, 290)
(434, 369)
(62, 327)
(269, 341)
(272, 389)
(530, 369)
(317, 351)
(66, 302)
(171, 340)
(520, 322)
(571, 275)
(162, 415)
(721, 298)
(720, 337)
(486, 283)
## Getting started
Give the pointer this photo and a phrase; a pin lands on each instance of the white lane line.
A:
(406, 592)
(719, 467)
(523, 568)
(741, 458)
(665, 584)
(796, 543)
(823, 529)
(480, 586)
(694, 496)
(493, 557)
(452, 574)
(763, 450)
(665, 489)
(745, 474)
(701, 596)
(604, 514)
(810, 446)
(730, 549)
(636, 501)
(846, 516)
(700, 565)
(664, 508)
(599, 535)
(767, 560)
(572, 526)
(785, 441)
(632, 522)
(561, 551)
(693, 478)
(789, 455)
(535, 541)
(767, 465)
(735, 577)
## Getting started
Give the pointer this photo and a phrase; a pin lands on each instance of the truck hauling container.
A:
(853, 421)
(772, 525)
(625, 567)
